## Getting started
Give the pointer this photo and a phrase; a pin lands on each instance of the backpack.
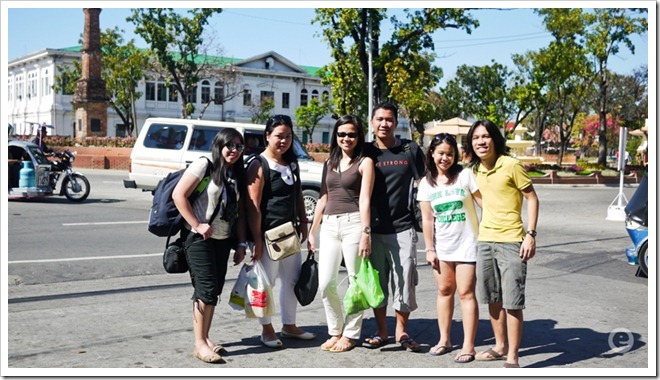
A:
(408, 147)
(164, 217)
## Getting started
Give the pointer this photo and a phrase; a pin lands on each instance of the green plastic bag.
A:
(354, 300)
(367, 280)
(364, 291)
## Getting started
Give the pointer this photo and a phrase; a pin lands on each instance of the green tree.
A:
(568, 72)
(261, 110)
(610, 29)
(491, 83)
(402, 66)
(123, 68)
(177, 44)
(308, 117)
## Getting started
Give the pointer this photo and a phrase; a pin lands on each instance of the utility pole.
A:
(370, 90)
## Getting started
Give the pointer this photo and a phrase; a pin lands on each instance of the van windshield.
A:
(300, 150)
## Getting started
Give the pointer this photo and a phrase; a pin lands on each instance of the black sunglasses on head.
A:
(277, 119)
(445, 136)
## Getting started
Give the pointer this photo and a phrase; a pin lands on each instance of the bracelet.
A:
(430, 249)
(242, 244)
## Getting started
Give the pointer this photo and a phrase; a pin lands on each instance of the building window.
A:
(150, 91)
(192, 95)
(120, 130)
(303, 97)
(45, 84)
(162, 92)
(267, 96)
(32, 85)
(247, 98)
(315, 94)
(285, 100)
(10, 89)
(325, 96)
(219, 93)
(325, 138)
(19, 87)
(305, 138)
(95, 125)
(206, 91)
(173, 95)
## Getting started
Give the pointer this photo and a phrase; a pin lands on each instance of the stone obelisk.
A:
(90, 98)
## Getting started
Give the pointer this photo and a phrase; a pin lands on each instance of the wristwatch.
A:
(367, 230)
(532, 232)
(242, 244)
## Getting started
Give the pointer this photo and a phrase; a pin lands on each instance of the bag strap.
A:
(407, 147)
(202, 186)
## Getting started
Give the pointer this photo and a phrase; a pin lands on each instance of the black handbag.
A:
(308, 282)
(174, 258)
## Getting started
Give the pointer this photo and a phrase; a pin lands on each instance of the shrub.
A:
(66, 141)
(317, 147)
(574, 169)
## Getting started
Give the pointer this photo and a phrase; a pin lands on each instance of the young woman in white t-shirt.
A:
(447, 196)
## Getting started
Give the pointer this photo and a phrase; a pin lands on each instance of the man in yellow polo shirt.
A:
(504, 245)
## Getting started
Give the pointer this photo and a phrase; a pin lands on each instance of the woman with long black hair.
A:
(274, 202)
(208, 242)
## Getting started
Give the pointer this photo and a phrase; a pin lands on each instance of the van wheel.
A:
(643, 259)
(311, 198)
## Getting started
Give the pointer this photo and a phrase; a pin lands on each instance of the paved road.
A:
(584, 303)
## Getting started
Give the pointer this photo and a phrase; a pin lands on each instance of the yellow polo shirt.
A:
(501, 191)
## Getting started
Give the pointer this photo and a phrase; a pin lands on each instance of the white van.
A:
(166, 145)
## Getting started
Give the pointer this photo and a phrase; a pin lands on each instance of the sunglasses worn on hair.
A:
(279, 119)
(443, 136)
(345, 134)
(232, 145)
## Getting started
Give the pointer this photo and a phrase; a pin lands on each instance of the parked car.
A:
(165, 145)
(637, 219)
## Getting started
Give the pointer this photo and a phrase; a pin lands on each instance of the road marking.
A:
(101, 223)
(83, 258)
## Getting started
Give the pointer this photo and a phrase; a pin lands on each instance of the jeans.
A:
(339, 237)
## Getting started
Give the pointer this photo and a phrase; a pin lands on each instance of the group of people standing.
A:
(365, 212)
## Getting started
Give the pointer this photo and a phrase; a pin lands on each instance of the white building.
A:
(32, 100)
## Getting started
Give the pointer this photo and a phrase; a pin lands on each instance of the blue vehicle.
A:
(637, 219)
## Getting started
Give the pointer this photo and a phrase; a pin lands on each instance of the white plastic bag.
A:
(259, 293)
(238, 295)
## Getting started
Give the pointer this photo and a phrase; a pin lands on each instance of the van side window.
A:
(202, 138)
(254, 143)
(164, 136)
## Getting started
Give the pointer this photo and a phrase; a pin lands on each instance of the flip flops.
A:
(409, 344)
(438, 350)
(374, 341)
(492, 356)
(347, 347)
(464, 358)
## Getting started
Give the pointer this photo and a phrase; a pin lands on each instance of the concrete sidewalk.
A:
(143, 325)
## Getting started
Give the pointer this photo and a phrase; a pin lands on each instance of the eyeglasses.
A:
(445, 136)
(351, 135)
(278, 119)
(232, 145)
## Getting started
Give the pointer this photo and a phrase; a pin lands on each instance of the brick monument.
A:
(90, 98)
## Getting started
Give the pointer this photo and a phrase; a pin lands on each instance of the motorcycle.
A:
(50, 177)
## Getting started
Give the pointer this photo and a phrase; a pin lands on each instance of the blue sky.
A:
(246, 32)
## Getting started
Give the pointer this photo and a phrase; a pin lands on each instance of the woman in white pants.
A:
(344, 207)
(272, 203)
